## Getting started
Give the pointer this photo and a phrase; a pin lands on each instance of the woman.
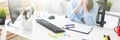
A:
(83, 11)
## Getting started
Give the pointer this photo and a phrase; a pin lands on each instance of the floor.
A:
(19, 38)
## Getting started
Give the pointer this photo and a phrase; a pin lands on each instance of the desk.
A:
(41, 33)
(3, 33)
(17, 29)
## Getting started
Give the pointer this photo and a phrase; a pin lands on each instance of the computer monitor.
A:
(15, 7)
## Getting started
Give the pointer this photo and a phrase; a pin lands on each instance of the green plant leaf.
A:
(2, 13)
(109, 3)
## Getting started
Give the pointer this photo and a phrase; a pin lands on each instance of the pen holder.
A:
(27, 24)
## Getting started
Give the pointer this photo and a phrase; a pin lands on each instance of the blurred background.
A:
(61, 7)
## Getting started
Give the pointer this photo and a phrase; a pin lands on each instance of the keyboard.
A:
(50, 26)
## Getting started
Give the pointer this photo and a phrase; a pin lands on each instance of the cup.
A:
(117, 30)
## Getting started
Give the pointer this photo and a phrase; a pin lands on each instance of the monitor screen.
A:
(15, 7)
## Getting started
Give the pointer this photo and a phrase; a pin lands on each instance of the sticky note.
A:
(54, 36)
(49, 34)
(69, 35)
(65, 34)
(60, 34)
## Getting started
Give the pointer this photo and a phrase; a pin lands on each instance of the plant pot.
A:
(2, 21)
(108, 8)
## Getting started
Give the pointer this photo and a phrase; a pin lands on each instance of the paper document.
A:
(82, 29)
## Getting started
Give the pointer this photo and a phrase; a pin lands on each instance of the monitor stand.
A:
(9, 23)
(21, 24)
(24, 21)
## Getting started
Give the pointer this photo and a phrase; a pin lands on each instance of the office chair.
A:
(101, 12)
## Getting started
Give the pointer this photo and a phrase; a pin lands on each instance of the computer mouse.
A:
(51, 17)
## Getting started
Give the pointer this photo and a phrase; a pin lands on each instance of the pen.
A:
(69, 25)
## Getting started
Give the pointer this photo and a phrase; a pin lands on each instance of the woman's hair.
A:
(89, 5)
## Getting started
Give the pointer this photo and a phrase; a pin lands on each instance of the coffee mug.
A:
(117, 30)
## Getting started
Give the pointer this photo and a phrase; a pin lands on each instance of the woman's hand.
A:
(81, 2)
(76, 9)
(84, 2)
(84, 5)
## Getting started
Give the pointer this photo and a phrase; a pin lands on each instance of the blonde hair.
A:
(89, 5)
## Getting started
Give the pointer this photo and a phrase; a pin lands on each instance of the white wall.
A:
(2, 0)
(111, 21)
(116, 5)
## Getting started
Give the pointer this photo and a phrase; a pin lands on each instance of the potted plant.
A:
(109, 4)
(2, 16)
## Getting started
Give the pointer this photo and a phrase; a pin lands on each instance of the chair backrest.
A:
(101, 11)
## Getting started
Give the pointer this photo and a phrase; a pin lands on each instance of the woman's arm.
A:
(84, 6)
(76, 9)
(90, 17)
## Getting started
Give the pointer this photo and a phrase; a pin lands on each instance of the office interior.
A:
(107, 21)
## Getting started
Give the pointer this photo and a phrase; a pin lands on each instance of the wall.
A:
(115, 6)
(2, 0)
(111, 21)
